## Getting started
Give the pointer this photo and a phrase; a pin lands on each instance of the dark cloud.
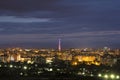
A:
(27, 5)
(38, 8)
(78, 22)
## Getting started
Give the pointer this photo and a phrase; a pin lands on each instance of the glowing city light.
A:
(91, 75)
(99, 75)
(21, 73)
(83, 73)
(39, 72)
(112, 76)
(25, 67)
(51, 69)
(5, 65)
(106, 76)
(75, 63)
(11, 66)
(36, 65)
(117, 77)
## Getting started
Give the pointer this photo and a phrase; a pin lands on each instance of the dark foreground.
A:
(50, 78)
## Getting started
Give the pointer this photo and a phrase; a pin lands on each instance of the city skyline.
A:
(79, 23)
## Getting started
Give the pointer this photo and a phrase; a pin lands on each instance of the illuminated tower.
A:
(59, 45)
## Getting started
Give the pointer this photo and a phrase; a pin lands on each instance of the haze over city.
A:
(40, 23)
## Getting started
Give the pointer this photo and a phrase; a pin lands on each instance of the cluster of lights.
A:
(49, 69)
(109, 76)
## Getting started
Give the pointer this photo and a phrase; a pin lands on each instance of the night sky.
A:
(79, 23)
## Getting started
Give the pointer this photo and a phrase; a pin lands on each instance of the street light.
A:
(112, 76)
(99, 75)
(117, 77)
(106, 76)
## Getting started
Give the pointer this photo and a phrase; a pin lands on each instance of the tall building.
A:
(59, 45)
